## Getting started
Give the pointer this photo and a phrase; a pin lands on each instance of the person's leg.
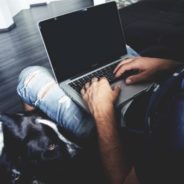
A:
(38, 88)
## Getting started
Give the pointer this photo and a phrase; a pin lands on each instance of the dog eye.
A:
(51, 147)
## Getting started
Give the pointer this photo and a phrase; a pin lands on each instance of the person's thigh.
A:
(38, 88)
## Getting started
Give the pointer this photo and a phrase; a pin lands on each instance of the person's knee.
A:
(30, 71)
(34, 80)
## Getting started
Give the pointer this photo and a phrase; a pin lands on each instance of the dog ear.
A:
(12, 135)
(11, 124)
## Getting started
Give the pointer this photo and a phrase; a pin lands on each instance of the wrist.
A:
(104, 114)
(169, 65)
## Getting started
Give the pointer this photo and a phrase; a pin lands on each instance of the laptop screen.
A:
(81, 41)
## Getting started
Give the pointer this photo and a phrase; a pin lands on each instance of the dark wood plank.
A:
(22, 47)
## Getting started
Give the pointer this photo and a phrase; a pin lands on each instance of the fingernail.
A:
(128, 81)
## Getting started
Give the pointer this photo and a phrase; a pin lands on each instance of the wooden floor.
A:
(22, 47)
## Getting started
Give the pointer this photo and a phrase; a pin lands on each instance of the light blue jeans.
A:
(38, 88)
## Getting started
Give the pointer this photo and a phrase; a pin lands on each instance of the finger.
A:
(104, 80)
(122, 63)
(116, 90)
(137, 78)
(86, 86)
(95, 79)
(83, 91)
(85, 97)
(126, 67)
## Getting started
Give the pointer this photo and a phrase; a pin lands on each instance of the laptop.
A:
(85, 44)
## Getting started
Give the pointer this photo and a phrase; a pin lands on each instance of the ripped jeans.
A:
(38, 88)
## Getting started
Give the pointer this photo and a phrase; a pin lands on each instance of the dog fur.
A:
(35, 151)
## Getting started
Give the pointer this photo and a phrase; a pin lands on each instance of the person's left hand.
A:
(99, 96)
(147, 68)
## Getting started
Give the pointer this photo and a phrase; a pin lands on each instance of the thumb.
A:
(116, 90)
(136, 78)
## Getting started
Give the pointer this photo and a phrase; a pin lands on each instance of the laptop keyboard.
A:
(106, 72)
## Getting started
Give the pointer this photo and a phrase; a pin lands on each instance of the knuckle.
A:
(103, 79)
(94, 79)
(120, 71)
(87, 84)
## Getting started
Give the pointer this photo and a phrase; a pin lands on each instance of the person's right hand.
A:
(147, 68)
(100, 97)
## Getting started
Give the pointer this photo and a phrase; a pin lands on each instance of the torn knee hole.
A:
(30, 77)
(45, 89)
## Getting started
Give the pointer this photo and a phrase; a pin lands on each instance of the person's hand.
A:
(147, 68)
(99, 96)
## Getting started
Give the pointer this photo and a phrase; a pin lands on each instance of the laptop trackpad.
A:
(129, 91)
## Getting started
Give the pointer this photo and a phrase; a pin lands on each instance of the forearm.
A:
(169, 65)
(111, 148)
(100, 98)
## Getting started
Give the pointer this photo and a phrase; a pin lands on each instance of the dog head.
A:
(35, 145)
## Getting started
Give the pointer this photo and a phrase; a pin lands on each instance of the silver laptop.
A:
(85, 44)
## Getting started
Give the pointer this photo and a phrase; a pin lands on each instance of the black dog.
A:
(35, 151)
